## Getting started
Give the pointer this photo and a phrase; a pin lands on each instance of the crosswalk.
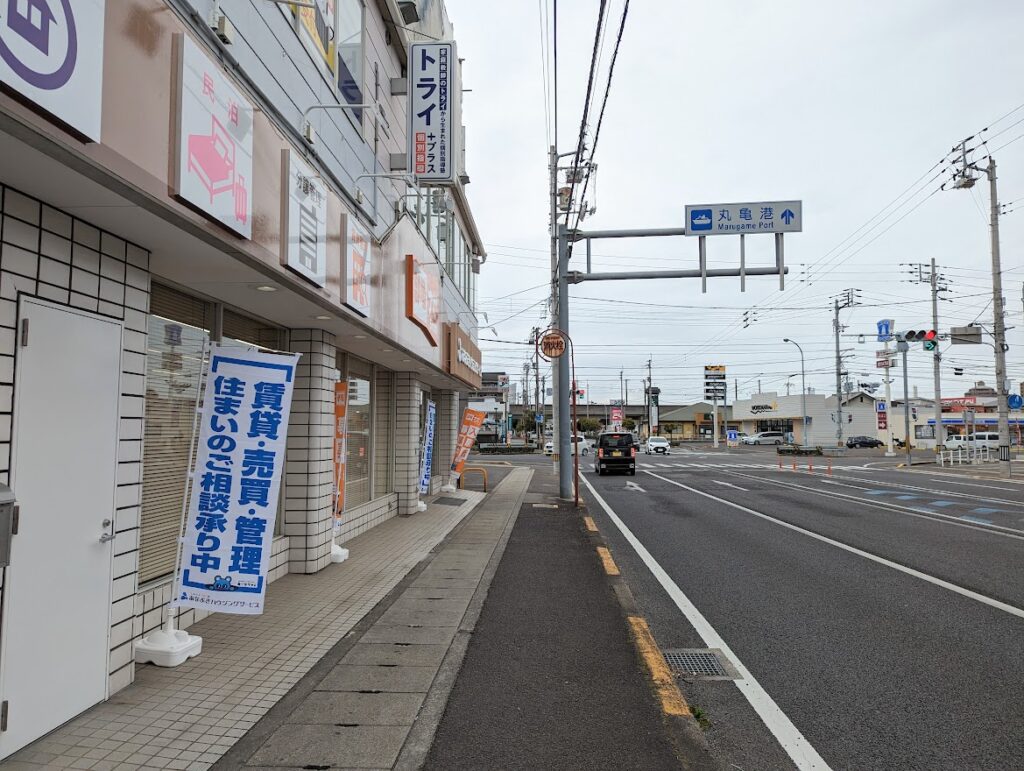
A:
(650, 465)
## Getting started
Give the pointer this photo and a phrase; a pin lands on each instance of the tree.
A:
(588, 425)
(628, 424)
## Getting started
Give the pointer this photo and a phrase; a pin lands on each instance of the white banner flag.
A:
(235, 480)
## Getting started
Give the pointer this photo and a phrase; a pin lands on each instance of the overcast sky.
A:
(848, 107)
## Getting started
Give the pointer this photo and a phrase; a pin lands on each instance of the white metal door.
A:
(56, 609)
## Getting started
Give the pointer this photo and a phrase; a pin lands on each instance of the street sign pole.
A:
(715, 414)
(889, 449)
(565, 428)
(903, 347)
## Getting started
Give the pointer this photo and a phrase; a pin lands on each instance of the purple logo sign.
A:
(32, 21)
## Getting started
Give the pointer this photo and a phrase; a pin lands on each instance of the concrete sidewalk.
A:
(373, 701)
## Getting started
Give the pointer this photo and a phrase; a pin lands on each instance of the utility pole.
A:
(849, 300)
(538, 404)
(735, 390)
(940, 434)
(650, 400)
(622, 395)
(902, 346)
(889, 449)
(963, 179)
(556, 399)
(626, 397)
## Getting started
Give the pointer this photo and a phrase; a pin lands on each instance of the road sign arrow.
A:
(788, 216)
(635, 487)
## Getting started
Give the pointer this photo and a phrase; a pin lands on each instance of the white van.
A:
(955, 442)
(988, 439)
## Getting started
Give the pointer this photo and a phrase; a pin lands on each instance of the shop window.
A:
(249, 331)
(383, 426)
(360, 430)
(179, 332)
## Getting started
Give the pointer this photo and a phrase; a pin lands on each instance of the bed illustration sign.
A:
(214, 142)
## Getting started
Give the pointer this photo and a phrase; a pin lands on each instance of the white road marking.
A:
(970, 484)
(726, 484)
(800, 751)
(993, 603)
(633, 486)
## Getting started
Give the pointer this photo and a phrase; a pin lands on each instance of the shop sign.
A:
(51, 52)
(340, 448)
(617, 416)
(472, 420)
(423, 296)
(318, 30)
(958, 403)
(304, 219)
(427, 453)
(358, 267)
(552, 345)
(462, 356)
(236, 479)
(214, 142)
(432, 119)
(758, 409)
(883, 420)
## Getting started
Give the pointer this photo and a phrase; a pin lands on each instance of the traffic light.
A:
(928, 338)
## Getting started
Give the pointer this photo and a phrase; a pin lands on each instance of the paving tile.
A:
(387, 679)
(331, 707)
(415, 635)
(305, 745)
(389, 653)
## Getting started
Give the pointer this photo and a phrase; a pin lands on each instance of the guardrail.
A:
(963, 455)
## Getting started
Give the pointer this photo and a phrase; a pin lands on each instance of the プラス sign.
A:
(236, 478)
(432, 116)
(727, 219)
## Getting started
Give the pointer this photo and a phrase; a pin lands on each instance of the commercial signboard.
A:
(552, 344)
(883, 420)
(730, 219)
(472, 420)
(427, 452)
(303, 219)
(616, 416)
(423, 296)
(214, 144)
(340, 448)
(958, 403)
(462, 356)
(317, 23)
(885, 359)
(433, 121)
(51, 52)
(236, 479)
(358, 267)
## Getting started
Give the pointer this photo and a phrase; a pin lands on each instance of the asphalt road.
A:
(875, 613)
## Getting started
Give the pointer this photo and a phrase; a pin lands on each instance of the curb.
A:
(684, 732)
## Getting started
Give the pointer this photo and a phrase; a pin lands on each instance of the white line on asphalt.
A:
(800, 751)
(993, 603)
(927, 491)
(970, 484)
(726, 484)
(881, 503)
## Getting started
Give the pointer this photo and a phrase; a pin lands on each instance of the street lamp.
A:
(803, 386)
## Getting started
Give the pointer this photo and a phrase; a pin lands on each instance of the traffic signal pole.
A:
(903, 347)
(940, 433)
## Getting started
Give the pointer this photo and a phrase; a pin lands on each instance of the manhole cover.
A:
(700, 664)
(448, 501)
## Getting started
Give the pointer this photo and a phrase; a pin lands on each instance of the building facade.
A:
(772, 412)
(179, 173)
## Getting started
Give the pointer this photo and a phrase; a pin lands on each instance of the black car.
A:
(615, 451)
(863, 441)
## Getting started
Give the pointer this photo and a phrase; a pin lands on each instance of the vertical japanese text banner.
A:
(236, 479)
(340, 448)
(427, 456)
(432, 114)
(472, 420)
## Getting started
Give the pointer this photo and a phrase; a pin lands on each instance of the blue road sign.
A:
(732, 435)
(538, 418)
(880, 406)
(885, 330)
(700, 219)
(788, 216)
(1015, 401)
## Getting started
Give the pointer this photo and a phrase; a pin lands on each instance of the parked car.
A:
(765, 437)
(656, 444)
(579, 444)
(988, 439)
(955, 442)
(615, 451)
(863, 441)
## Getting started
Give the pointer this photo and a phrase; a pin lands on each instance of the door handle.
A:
(108, 537)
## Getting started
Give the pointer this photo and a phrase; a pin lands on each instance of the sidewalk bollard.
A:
(830, 467)
(810, 467)
(780, 463)
(794, 465)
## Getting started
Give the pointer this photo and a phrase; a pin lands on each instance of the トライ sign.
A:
(730, 219)
(51, 52)
(235, 480)
(433, 119)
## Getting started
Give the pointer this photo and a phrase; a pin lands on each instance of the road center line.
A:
(800, 751)
(993, 603)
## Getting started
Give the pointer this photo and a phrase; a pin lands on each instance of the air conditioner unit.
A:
(223, 28)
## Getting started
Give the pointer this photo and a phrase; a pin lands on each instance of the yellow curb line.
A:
(672, 701)
(589, 521)
(606, 559)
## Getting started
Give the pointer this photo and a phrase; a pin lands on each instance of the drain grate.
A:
(443, 501)
(700, 664)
